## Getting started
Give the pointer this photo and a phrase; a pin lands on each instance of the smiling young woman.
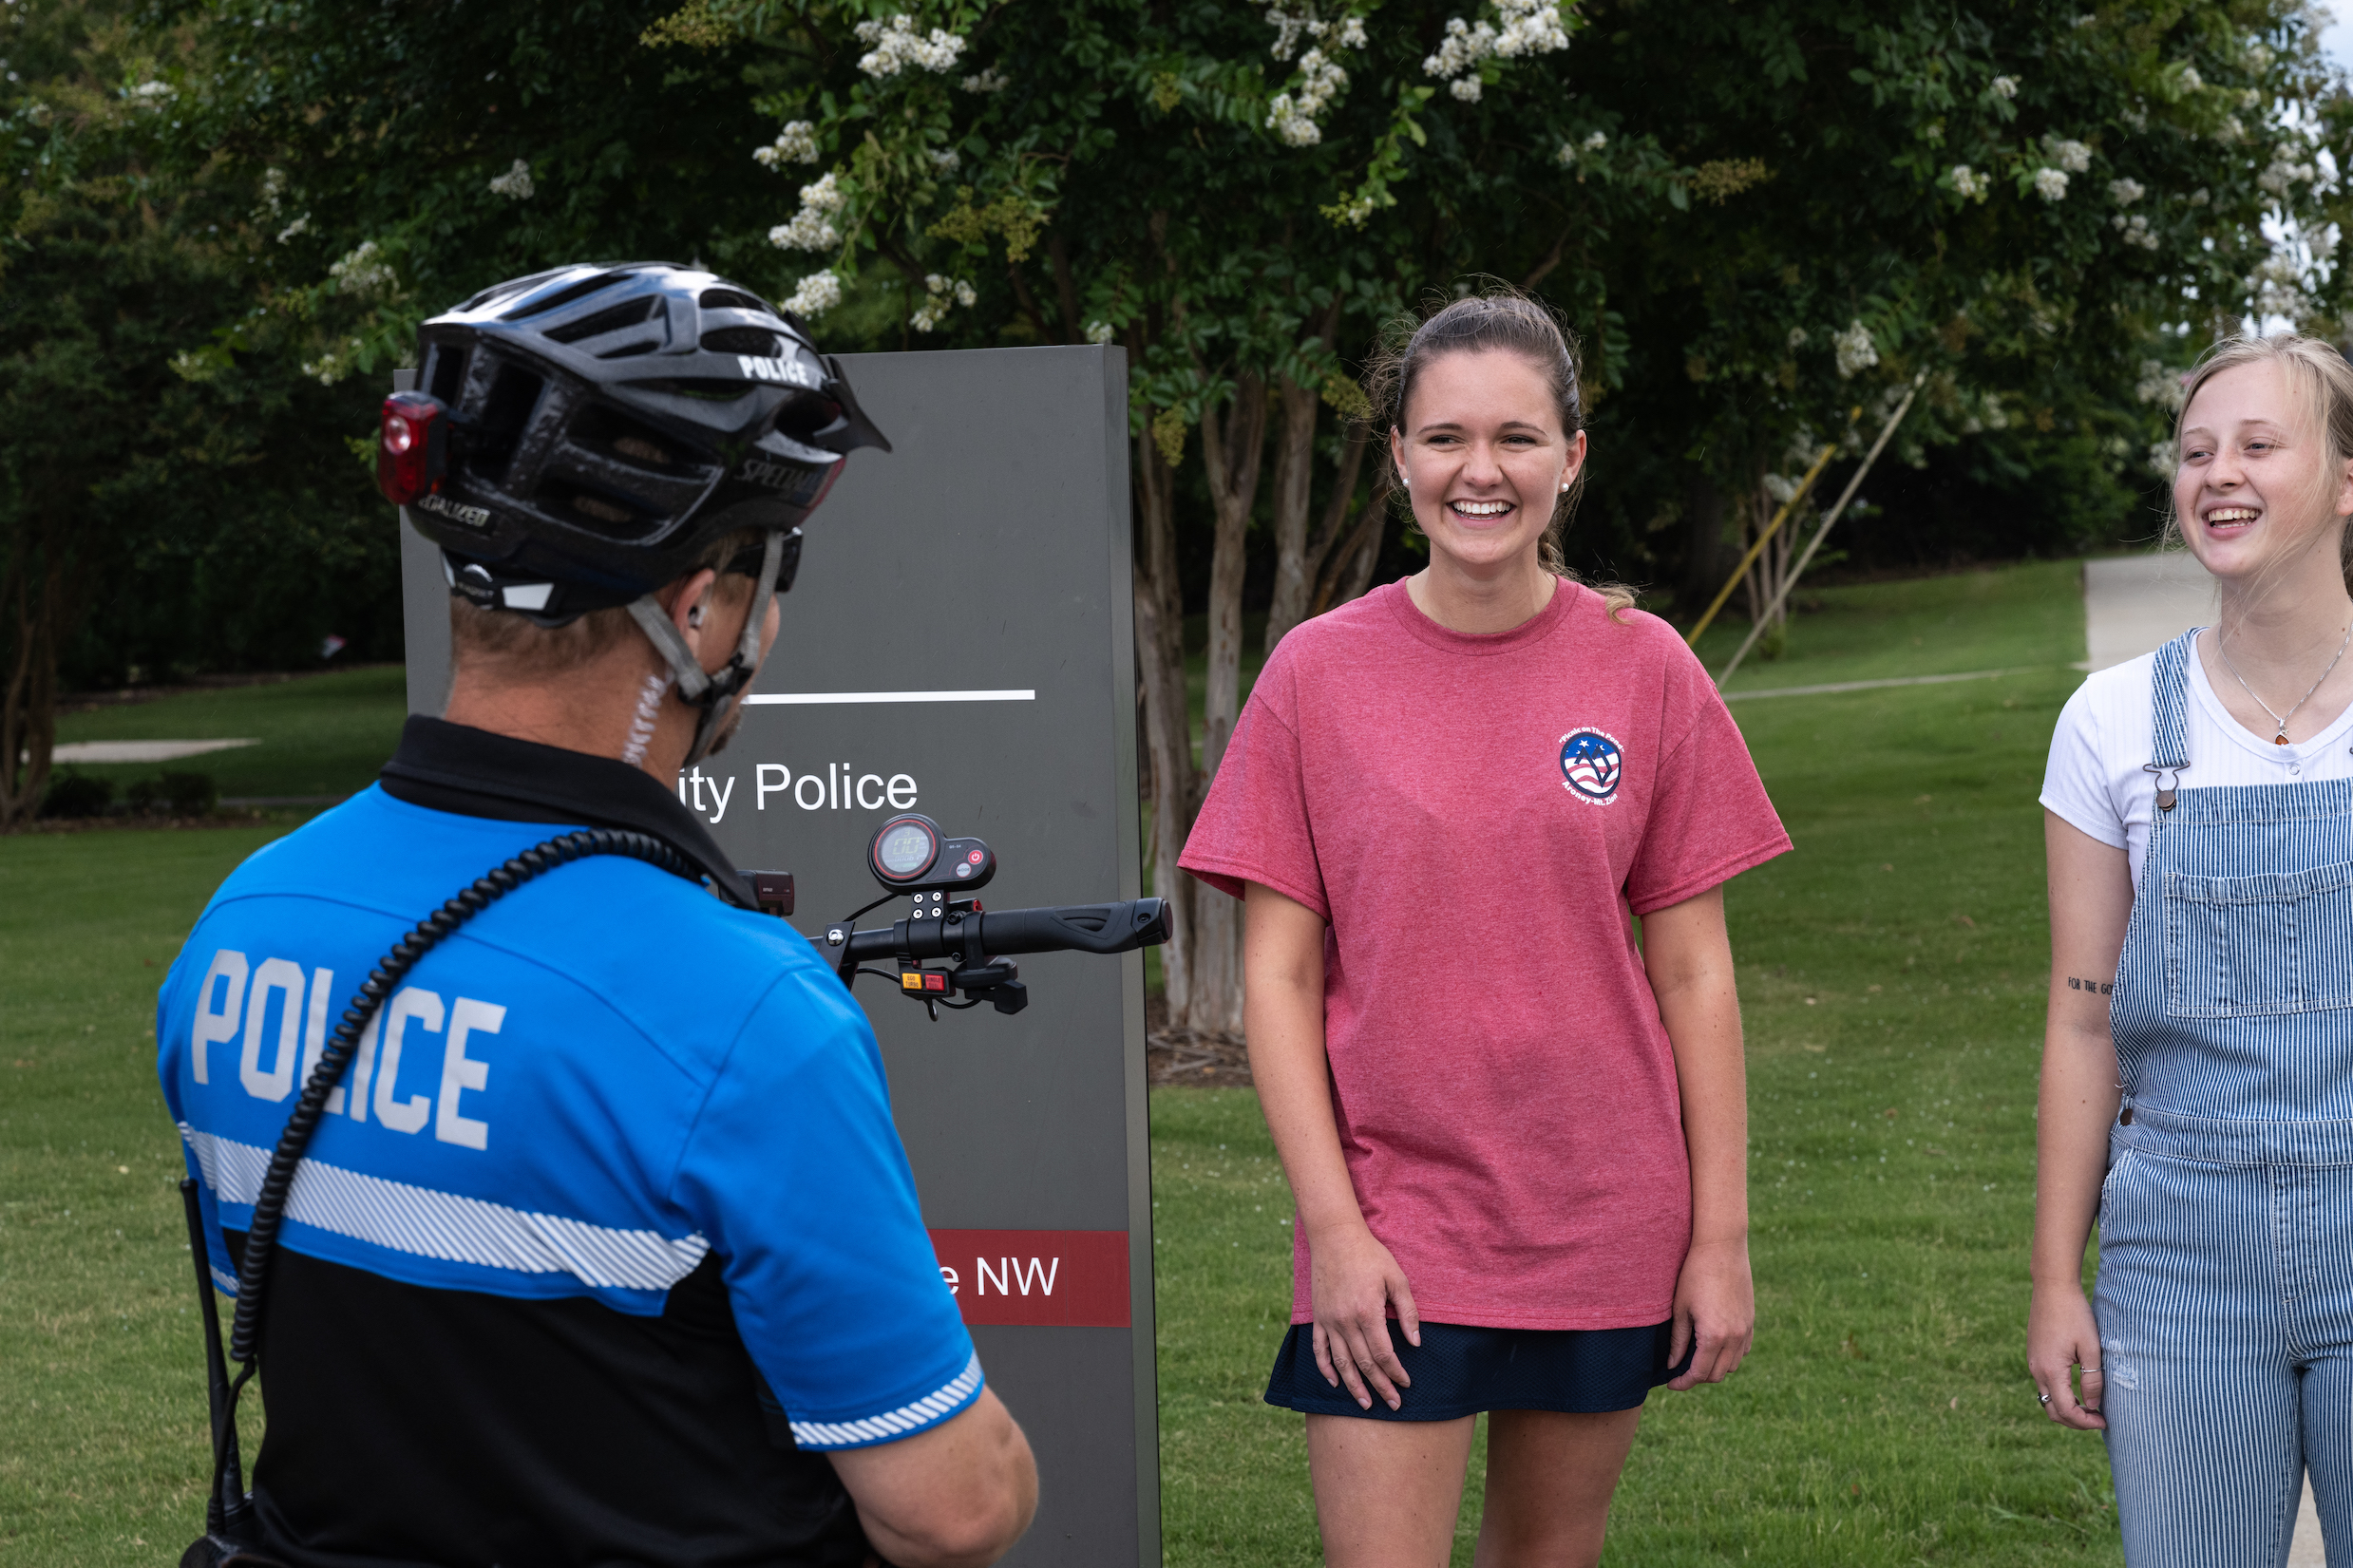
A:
(1517, 1139)
(2197, 1076)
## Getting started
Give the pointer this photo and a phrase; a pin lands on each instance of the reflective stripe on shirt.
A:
(454, 1229)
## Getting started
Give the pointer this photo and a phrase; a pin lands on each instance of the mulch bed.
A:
(1188, 1056)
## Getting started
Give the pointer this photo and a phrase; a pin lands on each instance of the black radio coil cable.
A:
(228, 1520)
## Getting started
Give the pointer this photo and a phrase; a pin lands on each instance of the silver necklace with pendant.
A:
(2281, 719)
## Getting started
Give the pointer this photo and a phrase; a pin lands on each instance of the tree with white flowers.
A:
(1757, 215)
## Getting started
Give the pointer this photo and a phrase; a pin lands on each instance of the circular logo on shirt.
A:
(1592, 763)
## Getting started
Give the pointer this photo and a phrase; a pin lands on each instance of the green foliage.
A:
(72, 796)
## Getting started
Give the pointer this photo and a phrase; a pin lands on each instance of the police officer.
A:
(605, 1250)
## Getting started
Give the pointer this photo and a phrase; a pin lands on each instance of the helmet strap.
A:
(714, 693)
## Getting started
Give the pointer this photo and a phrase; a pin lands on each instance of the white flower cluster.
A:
(272, 203)
(1290, 27)
(1798, 338)
(1293, 118)
(944, 159)
(1320, 81)
(334, 365)
(2283, 171)
(515, 184)
(941, 294)
(2191, 80)
(2158, 385)
(1571, 151)
(795, 144)
(1356, 211)
(2073, 157)
(2050, 184)
(2125, 191)
(895, 45)
(817, 293)
(1100, 331)
(2134, 230)
(1969, 185)
(2230, 130)
(2005, 86)
(363, 272)
(148, 94)
(2279, 286)
(811, 229)
(1856, 352)
(1530, 26)
(989, 80)
(1780, 487)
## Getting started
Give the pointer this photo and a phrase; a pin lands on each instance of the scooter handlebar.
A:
(1074, 928)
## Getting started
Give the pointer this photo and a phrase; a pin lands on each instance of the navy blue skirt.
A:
(1459, 1371)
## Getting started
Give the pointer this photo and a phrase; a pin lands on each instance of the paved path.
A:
(2137, 604)
(138, 751)
(2131, 606)
(1877, 685)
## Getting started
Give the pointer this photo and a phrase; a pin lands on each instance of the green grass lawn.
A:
(1894, 963)
(319, 734)
(1892, 971)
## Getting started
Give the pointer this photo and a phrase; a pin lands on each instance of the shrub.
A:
(190, 794)
(72, 794)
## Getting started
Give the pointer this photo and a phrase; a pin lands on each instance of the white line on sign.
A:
(758, 698)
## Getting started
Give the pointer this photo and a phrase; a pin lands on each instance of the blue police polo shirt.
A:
(608, 1087)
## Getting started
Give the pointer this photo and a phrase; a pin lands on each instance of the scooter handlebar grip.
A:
(1076, 928)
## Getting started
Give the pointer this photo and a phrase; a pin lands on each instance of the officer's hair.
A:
(1499, 317)
(2320, 382)
(516, 648)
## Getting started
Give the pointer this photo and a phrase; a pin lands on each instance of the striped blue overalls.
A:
(2226, 1223)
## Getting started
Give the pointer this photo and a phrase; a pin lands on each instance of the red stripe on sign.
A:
(1069, 1279)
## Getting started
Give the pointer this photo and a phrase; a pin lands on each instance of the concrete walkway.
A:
(2137, 604)
(138, 751)
(2131, 606)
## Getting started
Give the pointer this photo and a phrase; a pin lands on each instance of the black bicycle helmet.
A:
(603, 424)
(577, 438)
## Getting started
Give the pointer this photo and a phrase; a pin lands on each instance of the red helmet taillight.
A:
(414, 447)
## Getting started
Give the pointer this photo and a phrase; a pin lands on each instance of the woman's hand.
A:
(2060, 1337)
(1715, 1311)
(1354, 1280)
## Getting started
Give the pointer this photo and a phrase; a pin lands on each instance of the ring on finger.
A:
(2045, 1399)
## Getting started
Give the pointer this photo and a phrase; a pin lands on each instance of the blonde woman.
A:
(2197, 1079)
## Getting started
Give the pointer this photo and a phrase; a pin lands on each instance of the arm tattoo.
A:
(2099, 987)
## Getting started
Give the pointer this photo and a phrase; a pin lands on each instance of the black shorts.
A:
(1459, 1371)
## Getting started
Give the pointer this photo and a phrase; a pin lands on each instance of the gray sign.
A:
(961, 645)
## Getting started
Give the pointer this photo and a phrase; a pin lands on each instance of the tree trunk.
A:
(1294, 472)
(29, 701)
(1706, 560)
(1358, 579)
(1766, 578)
(1338, 554)
(1233, 440)
(1167, 726)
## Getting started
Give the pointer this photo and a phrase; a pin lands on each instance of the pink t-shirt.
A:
(1479, 819)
